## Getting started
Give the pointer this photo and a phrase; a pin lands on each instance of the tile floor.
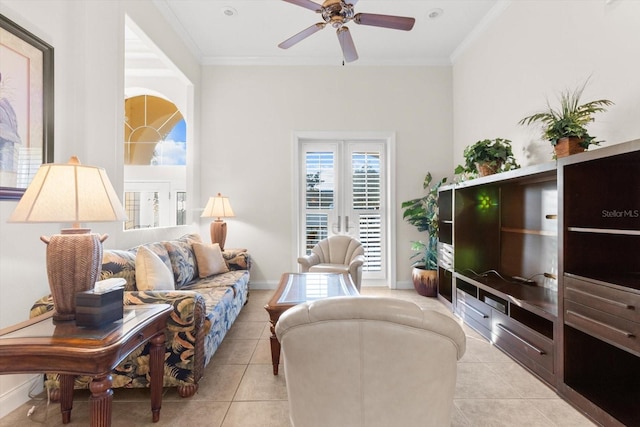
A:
(239, 389)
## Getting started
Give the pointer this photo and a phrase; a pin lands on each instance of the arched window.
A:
(154, 132)
(155, 162)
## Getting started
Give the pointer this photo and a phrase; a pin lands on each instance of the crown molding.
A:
(479, 29)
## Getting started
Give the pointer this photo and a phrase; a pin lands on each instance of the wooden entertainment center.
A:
(544, 262)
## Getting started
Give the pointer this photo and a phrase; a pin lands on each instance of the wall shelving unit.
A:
(600, 266)
(544, 261)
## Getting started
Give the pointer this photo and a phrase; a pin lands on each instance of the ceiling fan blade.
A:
(386, 21)
(346, 43)
(306, 4)
(301, 35)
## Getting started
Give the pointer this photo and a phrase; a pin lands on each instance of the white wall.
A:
(250, 114)
(89, 89)
(536, 49)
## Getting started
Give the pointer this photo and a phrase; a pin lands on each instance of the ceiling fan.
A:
(339, 12)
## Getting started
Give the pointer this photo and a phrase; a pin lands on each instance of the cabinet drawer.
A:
(137, 340)
(474, 313)
(471, 308)
(613, 329)
(603, 298)
(520, 341)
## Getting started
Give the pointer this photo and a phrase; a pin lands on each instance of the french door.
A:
(343, 191)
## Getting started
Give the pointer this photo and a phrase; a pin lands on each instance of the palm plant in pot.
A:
(423, 214)
(488, 156)
(565, 127)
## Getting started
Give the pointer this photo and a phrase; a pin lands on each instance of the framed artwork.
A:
(26, 107)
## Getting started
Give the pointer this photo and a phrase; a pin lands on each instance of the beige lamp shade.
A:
(69, 192)
(218, 207)
(73, 193)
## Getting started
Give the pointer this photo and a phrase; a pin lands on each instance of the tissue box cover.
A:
(96, 308)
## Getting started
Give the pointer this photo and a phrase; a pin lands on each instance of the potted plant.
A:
(488, 156)
(565, 127)
(423, 214)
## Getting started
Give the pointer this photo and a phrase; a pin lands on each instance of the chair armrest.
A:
(355, 270)
(306, 261)
(356, 262)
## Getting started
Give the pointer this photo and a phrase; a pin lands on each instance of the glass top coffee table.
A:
(296, 288)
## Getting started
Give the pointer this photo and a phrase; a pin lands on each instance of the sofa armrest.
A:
(41, 306)
(306, 261)
(237, 259)
(188, 307)
(187, 327)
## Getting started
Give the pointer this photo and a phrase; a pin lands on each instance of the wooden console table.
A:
(42, 345)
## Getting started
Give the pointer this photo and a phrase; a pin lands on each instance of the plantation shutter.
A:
(366, 204)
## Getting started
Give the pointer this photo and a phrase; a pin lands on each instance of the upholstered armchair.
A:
(335, 254)
(369, 361)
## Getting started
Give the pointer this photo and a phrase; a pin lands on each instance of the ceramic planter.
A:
(425, 281)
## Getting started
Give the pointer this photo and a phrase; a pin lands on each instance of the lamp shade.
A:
(218, 207)
(69, 192)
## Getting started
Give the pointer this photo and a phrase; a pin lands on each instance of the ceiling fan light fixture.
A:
(229, 11)
(337, 13)
(435, 13)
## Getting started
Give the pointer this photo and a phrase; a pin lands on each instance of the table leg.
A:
(100, 401)
(275, 349)
(66, 397)
(156, 367)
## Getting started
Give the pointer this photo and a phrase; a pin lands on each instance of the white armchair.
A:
(368, 361)
(335, 254)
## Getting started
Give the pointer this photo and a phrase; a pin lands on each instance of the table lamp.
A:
(218, 207)
(73, 193)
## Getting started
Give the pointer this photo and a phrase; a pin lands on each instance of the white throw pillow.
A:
(152, 273)
(209, 258)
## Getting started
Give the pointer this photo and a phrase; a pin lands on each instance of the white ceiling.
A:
(252, 34)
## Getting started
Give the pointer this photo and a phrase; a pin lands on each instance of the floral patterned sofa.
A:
(203, 311)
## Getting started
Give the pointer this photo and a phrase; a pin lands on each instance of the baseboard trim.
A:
(18, 395)
(404, 284)
(264, 285)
